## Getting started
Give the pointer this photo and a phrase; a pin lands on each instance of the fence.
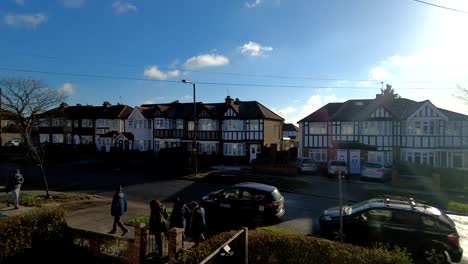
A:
(234, 251)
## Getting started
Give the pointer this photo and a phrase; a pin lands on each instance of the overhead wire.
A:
(213, 83)
(443, 7)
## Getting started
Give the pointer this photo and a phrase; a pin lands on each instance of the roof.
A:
(256, 185)
(325, 113)
(88, 112)
(360, 109)
(146, 111)
(290, 127)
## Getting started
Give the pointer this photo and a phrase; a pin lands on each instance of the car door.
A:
(372, 224)
(402, 229)
(251, 202)
(228, 202)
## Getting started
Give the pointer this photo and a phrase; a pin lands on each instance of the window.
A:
(156, 145)
(86, 139)
(55, 122)
(207, 148)
(86, 123)
(231, 194)
(417, 128)
(370, 128)
(375, 216)
(234, 149)
(318, 154)
(233, 125)
(43, 122)
(432, 127)
(207, 125)
(347, 128)
(405, 218)
(252, 195)
(44, 138)
(68, 139)
(163, 123)
(452, 129)
(75, 123)
(253, 125)
(57, 138)
(130, 123)
(417, 157)
(319, 128)
(101, 123)
(425, 128)
(179, 124)
(190, 126)
(68, 123)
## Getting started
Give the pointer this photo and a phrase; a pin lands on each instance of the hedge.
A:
(33, 229)
(267, 247)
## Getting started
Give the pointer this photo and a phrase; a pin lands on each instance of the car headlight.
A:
(204, 198)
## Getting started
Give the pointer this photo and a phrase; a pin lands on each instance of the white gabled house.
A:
(139, 125)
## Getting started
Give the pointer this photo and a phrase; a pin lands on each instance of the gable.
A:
(428, 110)
(230, 112)
(380, 112)
(136, 114)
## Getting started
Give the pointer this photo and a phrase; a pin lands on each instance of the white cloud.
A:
(25, 21)
(121, 7)
(154, 72)
(206, 60)
(67, 89)
(187, 98)
(149, 101)
(433, 72)
(292, 114)
(73, 3)
(253, 4)
(254, 49)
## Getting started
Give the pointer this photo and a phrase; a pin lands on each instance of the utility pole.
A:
(1, 119)
(341, 204)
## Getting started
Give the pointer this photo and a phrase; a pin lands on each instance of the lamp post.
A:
(194, 148)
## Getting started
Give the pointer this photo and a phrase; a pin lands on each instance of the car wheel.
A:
(258, 220)
(336, 236)
(433, 254)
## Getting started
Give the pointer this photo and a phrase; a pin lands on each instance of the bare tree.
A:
(26, 98)
(462, 94)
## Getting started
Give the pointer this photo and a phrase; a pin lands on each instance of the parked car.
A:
(336, 167)
(375, 170)
(2, 214)
(13, 142)
(251, 201)
(423, 230)
(306, 165)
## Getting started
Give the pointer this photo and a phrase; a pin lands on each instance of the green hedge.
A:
(267, 247)
(36, 228)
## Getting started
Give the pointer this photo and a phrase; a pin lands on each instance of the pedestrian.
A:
(158, 223)
(197, 223)
(14, 184)
(118, 208)
(180, 214)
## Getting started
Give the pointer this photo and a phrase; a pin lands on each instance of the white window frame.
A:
(234, 149)
(317, 128)
(318, 155)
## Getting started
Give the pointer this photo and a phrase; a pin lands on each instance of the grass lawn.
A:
(27, 199)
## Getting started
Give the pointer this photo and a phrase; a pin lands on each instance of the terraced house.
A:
(237, 129)
(385, 129)
(82, 124)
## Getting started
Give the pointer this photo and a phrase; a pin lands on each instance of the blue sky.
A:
(320, 49)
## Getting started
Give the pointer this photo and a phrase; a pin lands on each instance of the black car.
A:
(252, 201)
(426, 232)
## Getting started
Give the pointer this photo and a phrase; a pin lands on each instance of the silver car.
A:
(306, 165)
(376, 170)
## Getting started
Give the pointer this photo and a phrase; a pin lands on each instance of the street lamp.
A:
(194, 126)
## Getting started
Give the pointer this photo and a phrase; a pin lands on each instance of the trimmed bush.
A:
(34, 229)
(267, 247)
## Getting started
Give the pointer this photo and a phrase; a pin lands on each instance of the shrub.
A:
(267, 247)
(458, 207)
(34, 229)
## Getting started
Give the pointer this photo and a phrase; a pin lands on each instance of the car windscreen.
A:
(338, 163)
(308, 161)
(372, 165)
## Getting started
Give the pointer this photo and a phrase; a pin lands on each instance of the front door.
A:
(254, 149)
(343, 155)
(355, 160)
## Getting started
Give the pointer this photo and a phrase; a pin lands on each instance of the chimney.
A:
(78, 104)
(228, 100)
(63, 105)
(106, 104)
(237, 101)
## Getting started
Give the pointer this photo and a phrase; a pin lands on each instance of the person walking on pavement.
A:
(197, 223)
(118, 208)
(180, 214)
(15, 182)
(157, 224)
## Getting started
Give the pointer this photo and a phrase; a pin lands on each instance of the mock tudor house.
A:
(81, 124)
(290, 139)
(9, 130)
(385, 129)
(234, 128)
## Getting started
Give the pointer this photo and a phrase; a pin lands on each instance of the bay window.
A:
(234, 149)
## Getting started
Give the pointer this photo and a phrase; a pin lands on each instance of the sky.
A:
(293, 56)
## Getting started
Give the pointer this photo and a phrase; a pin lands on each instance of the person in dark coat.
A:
(14, 185)
(158, 223)
(197, 223)
(118, 208)
(180, 214)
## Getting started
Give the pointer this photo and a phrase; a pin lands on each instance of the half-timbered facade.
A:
(385, 129)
